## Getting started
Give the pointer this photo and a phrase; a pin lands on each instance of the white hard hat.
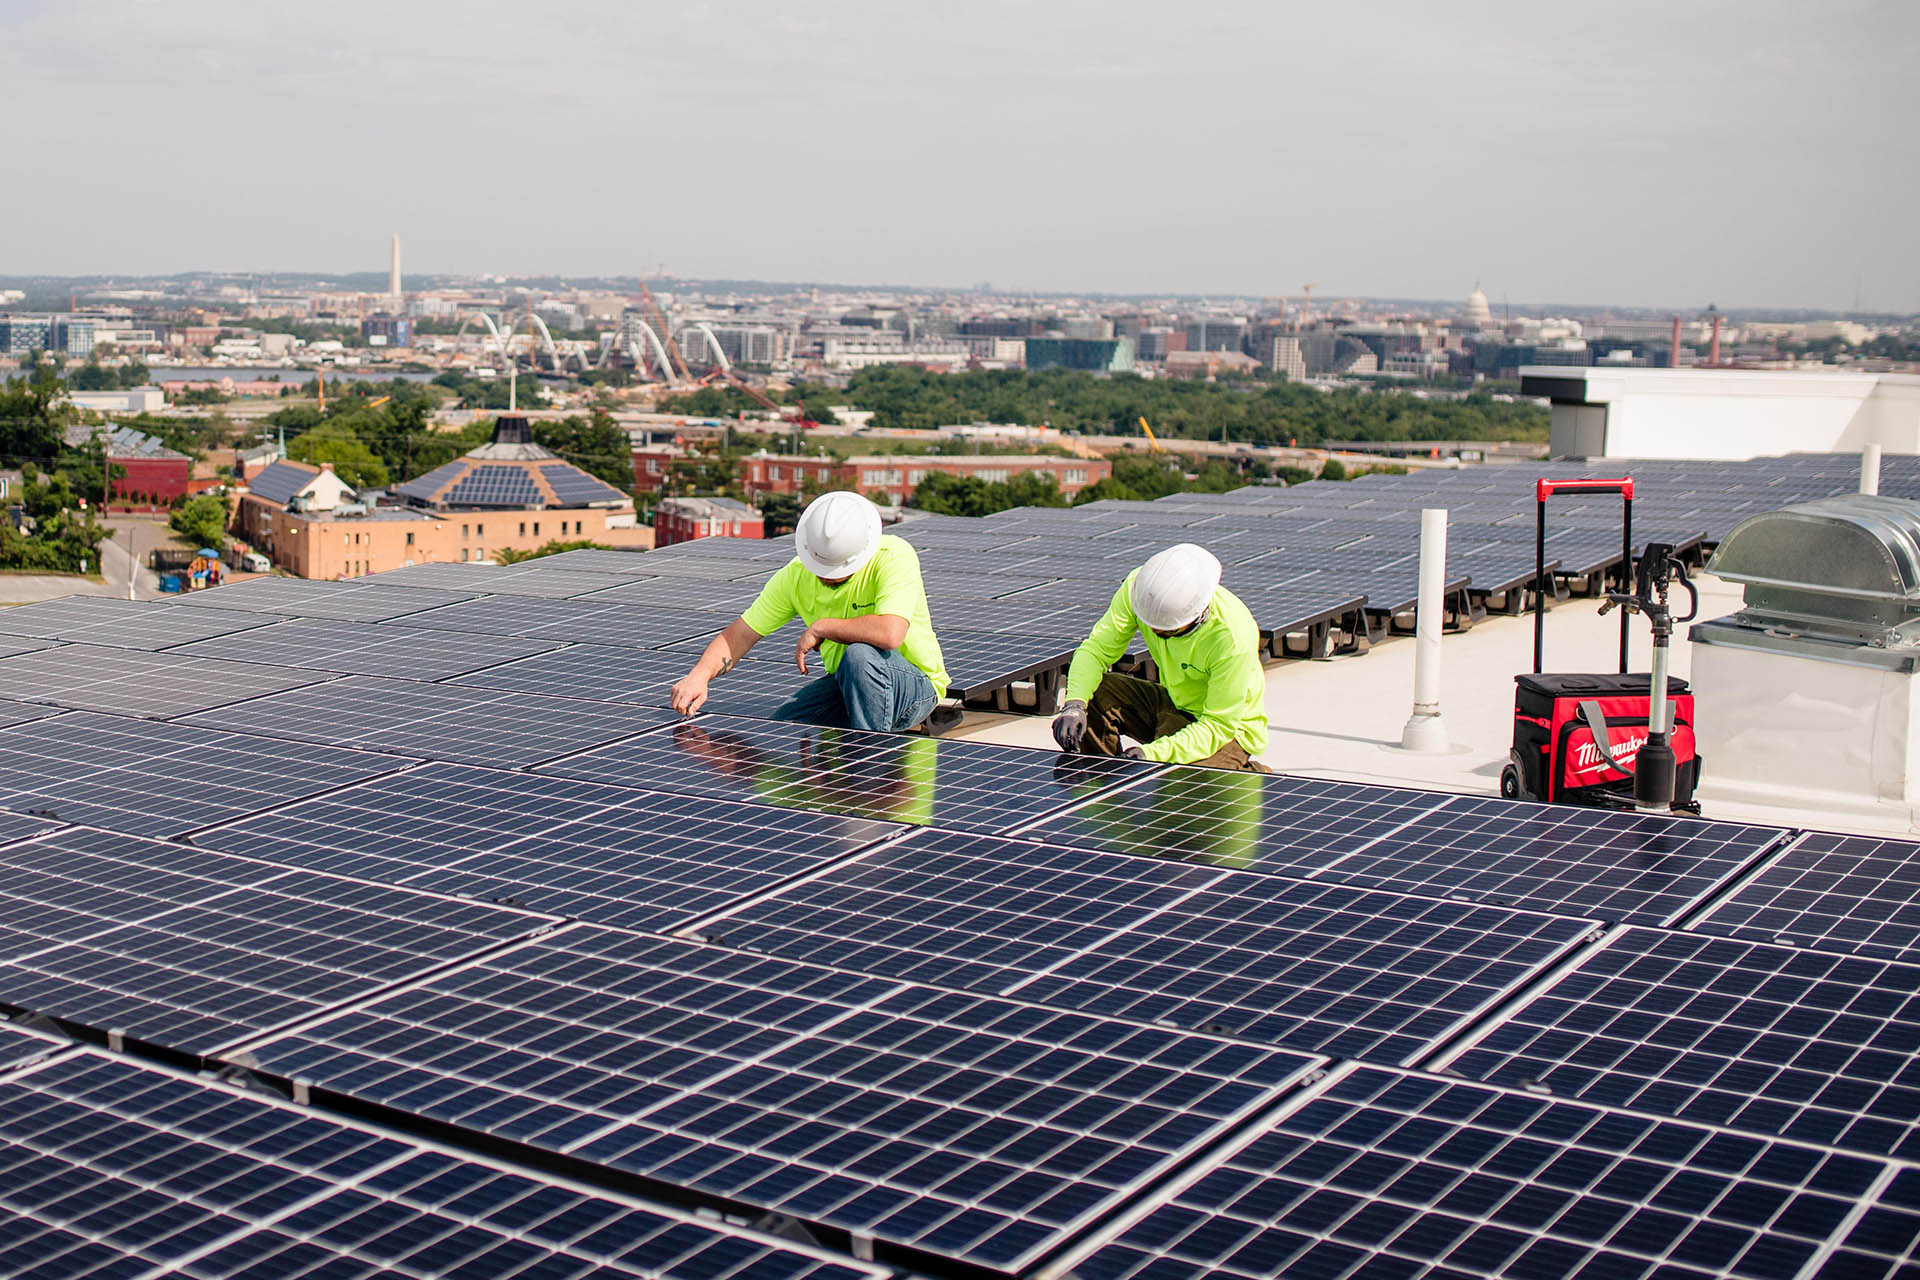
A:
(1173, 588)
(837, 534)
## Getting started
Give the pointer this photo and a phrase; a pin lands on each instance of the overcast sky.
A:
(1751, 153)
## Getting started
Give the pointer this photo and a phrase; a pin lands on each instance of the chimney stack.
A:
(393, 271)
(1673, 358)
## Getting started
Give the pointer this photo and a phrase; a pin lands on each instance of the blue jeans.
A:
(871, 689)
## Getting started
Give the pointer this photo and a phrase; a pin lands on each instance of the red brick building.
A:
(895, 475)
(147, 474)
(653, 466)
(684, 519)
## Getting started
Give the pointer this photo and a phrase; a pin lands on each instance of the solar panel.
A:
(606, 673)
(254, 948)
(308, 598)
(552, 584)
(124, 624)
(573, 487)
(1640, 868)
(130, 682)
(621, 856)
(1258, 822)
(18, 826)
(368, 649)
(157, 779)
(595, 560)
(18, 1044)
(1316, 968)
(699, 594)
(121, 1169)
(1839, 893)
(979, 662)
(985, 1131)
(1783, 1042)
(424, 487)
(1385, 1173)
(437, 722)
(280, 481)
(969, 786)
(505, 485)
(12, 713)
(579, 621)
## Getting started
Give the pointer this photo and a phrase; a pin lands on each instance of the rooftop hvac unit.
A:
(1807, 695)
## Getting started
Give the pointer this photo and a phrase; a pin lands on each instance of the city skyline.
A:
(1060, 149)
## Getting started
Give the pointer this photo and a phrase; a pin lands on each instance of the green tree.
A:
(93, 376)
(30, 420)
(356, 464)
(1333, 470)
(201, 521)
(507, 555)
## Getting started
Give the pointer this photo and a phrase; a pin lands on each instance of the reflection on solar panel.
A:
(435, 721)
(634, 858)
(1772, 1040)
(969, 786)
(1382, 1173)
(128, 681)
(369, 649)
(1251, 821)
(1612, 866)
(579, 621)
(981, 1130)
(127, 1168)
(124, 624)
(256, 947)
(306, 598)
(1840, 893)
(508, 485)
(1317, 968)
(158, 779)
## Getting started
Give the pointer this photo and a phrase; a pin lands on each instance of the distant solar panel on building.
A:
(281, 480)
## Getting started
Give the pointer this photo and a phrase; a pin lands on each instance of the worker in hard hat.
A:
(1207, 707)
(865, 610)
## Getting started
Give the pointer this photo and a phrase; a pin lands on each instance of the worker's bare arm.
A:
(718, 658)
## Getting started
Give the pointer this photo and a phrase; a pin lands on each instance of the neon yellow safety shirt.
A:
(1212, 673)
(888, 583)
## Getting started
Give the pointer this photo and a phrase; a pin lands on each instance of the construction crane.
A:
(1153, 439)
(659, 323)
(1306, 303)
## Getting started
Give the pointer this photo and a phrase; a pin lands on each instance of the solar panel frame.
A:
(368, 649)
(1377, 1172)
(360, 601)
(257, 948)
(140, 1170)
(1858, 894)
(124, 624)
(134, 682)
(1780, 1041)
(148, 778)
(435, 721)
(1613, 866)
(580, 621)
(1315, 968)
(620, 855)
(803, 1090)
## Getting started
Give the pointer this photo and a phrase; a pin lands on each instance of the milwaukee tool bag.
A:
(1553, 743)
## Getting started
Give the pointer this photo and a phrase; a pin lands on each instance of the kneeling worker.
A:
(865, 608)
(1208, 707)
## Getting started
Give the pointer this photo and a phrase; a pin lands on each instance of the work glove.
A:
(1133, 753)
(1070, 726)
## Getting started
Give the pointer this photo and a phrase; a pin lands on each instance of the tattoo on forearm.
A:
(726, 664)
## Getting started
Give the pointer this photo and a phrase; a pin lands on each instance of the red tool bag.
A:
(1555, 757)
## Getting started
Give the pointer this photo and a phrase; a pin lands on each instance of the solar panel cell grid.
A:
(1388, 1174)
(136, 1171)
(912, 779)
(305, 598)
(635, 858)
(124, 624)
(437, 722)
(256, 947)
(153, 779)
(159, 685)
(1320, 969)
(981, 1130)
(1839, 893)
(1611, 866)
(571, 621)
(1777, 1041)
(361, 648)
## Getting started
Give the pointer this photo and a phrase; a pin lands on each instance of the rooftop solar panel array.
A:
(428, 851)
